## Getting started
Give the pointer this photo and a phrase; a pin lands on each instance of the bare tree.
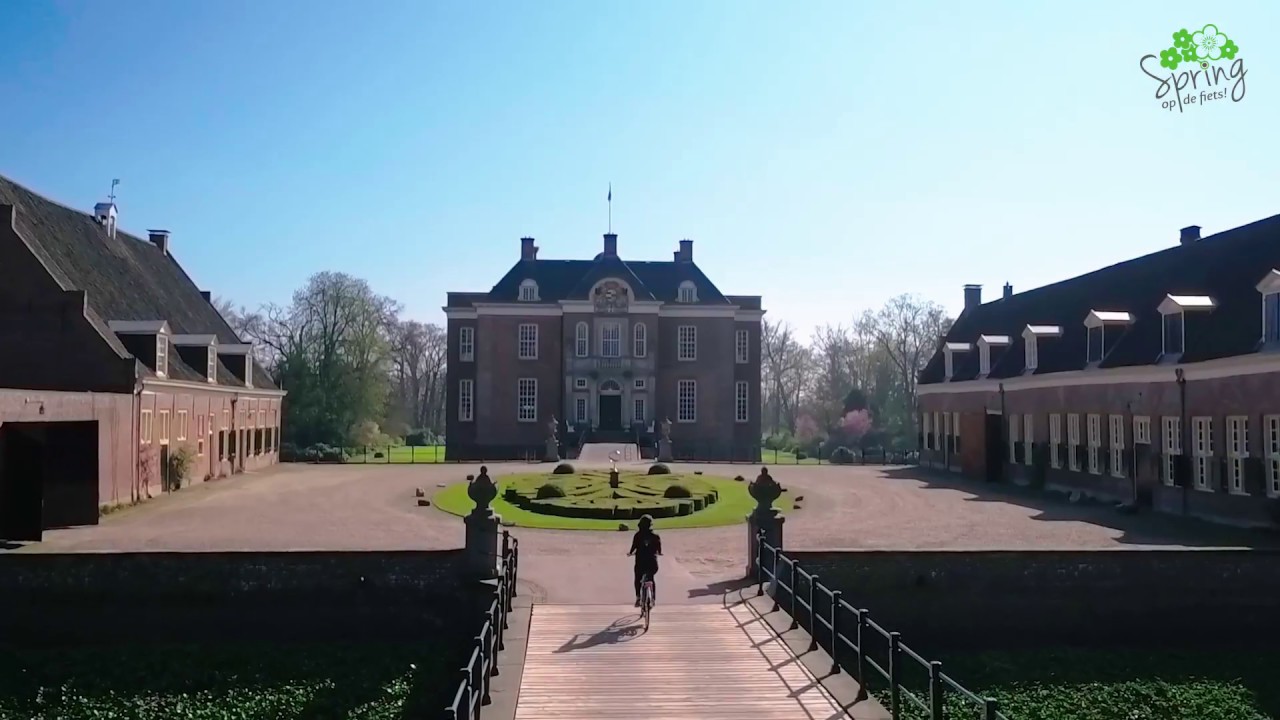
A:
(907, 329)
(418, 353)
(784, 362)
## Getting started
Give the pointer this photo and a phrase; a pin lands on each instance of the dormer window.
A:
(688, 292)
(162, 355)
(528, 291)
(197, 351)
(985, 344)
(147, 340)
(1031, 336)
(1174, 326)
(1100, 324)
(211, 368)
(948, 351)
(1270, 289)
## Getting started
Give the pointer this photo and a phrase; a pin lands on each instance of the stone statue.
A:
(664, 441)
(553, 428)
(665, 428)
(482, 491)
(765, 490)
(553, 441)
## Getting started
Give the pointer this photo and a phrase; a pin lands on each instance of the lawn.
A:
(732, 506)
(1113, 684)
(225, 682)
(401, 454)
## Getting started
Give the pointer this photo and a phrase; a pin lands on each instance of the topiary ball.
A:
(659, 469)
(842, 456)
(549, 491)
(676, 491)
(563, 469)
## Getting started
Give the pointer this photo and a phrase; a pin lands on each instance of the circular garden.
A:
(589, 501)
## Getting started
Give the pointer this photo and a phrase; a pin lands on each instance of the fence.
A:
(892, 661)
(473, 688)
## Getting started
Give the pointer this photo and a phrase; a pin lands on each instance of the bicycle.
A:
(646, 598)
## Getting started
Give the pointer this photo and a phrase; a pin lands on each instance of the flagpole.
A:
(610, 207)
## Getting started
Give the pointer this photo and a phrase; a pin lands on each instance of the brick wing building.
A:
(110, 359)
(609, 348)
(1155, 381)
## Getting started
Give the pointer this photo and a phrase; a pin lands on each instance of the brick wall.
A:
(711, 435)
(1002, 598)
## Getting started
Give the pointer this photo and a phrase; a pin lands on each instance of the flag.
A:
(610, 192)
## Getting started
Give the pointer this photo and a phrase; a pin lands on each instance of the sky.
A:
(825, 155)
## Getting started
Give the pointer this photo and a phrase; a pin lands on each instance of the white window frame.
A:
(1015, 429)
(686, 401)
(582, 340)
(1094, 430)
(1237, 452)
(527, 400)
(742, 347)
(1031, 357)
(640, 384)
(1073, 441)
(146, 424)
(528, 291)
(1028, 437)
(200, 434)
(639, 411)
(741, 401)
(162, 355)
(1116, 423)
(611, 340)
(1164, 341)
(1271, 448)
(955, 425)
(1271, 329)
(527, 340)
(926, 420)
(688, 292)
(687, 343)
(1171, 427)
(639, 340)
(1141, 430)
(211, 364)
(226, 419)
(466, 344)
(182, 425)
(1055, 439)
(163, 417)
(1088, 343)
(466, 400)
(1202, 452)
(580, 406)
(579, 383)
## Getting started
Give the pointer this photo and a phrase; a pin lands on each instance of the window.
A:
(466, 400)
(742, 346)
(1094, 345)
(1032, 358)
(687, 401)
(1237, 452)
(162, 354)
(1055, 439)
(248, 371)
(1202, 450)
(226, 419)
(580, 409)
(611, 340)
(1271, 443)
(1141, 430)
(741, 401)
(527, 397)
(637, 410)
(1073, 441)
(926, 431)
(211, 364)
(1271, 318)
(582, 340)
(528, 341)
(955, 429)
(1172, 449)
(1015, 429)
(688, 292)
(528, 291)
(200, 435)
(640, 341)
(164, 427)
(1173, 327)
(946, 430)
(262, 418)
(1095, 443)
(580, 383)
(1028, 437)
(1117, 446)
(144, 431)
(467, 344)
(687, 342)
(182, 424)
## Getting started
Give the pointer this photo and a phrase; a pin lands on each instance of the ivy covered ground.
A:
(225, 682)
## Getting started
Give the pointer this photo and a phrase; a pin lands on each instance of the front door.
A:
(610, 412)
(21, 485)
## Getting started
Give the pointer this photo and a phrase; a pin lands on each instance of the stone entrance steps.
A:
(596, 454)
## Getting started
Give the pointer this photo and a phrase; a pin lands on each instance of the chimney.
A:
(105, 215)
(1008, 291)
(972, 296)
(611, 245)
(528, 251)
(1190, 234)
(160, 238)
(208, 296)
(686, 251)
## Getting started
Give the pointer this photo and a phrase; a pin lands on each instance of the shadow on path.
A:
(721, 587)
(623, 629)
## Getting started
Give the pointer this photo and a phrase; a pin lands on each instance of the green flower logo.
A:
(1182, 39)
(1229, 49)
(1208, 43)
(1170, 58)
(1201, 47)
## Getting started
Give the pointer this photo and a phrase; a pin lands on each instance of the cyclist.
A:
(646, 546)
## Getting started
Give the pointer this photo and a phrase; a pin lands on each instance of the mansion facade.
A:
(608, 348)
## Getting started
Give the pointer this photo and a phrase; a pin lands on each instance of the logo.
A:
(1206, 64)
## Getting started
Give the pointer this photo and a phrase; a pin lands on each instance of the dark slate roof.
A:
(572, 280)
(124, 278)
(1225, 267)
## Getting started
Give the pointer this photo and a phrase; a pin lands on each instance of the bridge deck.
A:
(595, 662)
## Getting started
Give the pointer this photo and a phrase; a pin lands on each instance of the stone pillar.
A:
(764, 518)
(482, 528)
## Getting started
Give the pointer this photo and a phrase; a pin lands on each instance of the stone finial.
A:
(765, 490)
(482, 491)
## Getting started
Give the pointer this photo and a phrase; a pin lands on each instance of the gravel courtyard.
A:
(359, 507)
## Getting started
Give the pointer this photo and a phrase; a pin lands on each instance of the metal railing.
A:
(473, 689)
(895, 659)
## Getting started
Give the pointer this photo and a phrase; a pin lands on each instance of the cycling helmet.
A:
(646, 521)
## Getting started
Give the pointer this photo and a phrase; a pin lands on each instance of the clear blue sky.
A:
(824, 155)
